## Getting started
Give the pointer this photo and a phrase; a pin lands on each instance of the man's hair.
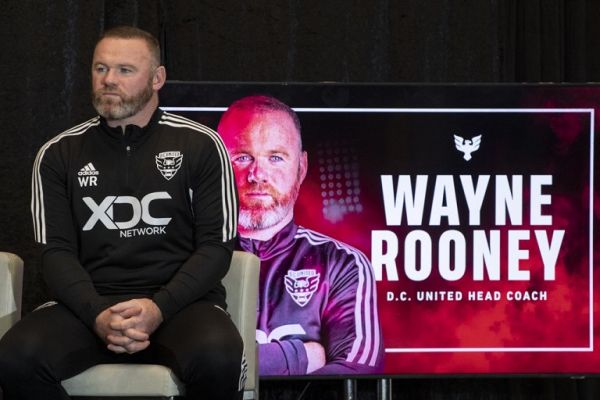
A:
(131, 32)
(263, 103)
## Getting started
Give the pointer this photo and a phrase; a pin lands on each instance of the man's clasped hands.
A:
(126, 327)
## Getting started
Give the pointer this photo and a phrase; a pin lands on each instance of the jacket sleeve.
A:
(350, 327)
(285, 357)
(350, 332)
(54, 228)
(215, 208)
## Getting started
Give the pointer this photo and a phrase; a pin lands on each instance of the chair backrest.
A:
(11, 287)
(241, 284)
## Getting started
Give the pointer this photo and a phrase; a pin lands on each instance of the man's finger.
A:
(121, 307)
(116, 326)
(136, 346)
(122, 341)
(116, 349)
(316, 356)
(131, 311)
(136, 335)
(124, 324)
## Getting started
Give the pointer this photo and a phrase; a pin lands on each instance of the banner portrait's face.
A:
(268, 162)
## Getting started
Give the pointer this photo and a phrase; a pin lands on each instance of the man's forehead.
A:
(122, 47)
(267, 123)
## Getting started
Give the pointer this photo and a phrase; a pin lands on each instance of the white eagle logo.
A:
(301, 285)
(467, 146)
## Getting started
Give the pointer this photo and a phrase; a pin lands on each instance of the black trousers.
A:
(200, 344)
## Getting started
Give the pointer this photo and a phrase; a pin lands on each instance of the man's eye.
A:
(100, 69)
(276, 158)
(242, 158)
(125, 70)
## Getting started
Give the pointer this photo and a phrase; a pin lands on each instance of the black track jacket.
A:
(150, 212)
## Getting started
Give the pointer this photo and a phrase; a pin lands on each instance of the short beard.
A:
(258, 219)
(255, 218)
(127, 107)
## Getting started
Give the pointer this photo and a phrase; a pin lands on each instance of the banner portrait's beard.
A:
(126, 107)
(256, 216)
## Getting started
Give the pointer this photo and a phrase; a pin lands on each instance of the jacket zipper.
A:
(128, 150)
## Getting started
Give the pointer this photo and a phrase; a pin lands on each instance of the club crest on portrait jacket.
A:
(301, 285)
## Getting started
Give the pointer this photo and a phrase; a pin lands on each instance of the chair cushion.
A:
(125, 380)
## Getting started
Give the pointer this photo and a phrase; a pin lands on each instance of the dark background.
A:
(46, 48)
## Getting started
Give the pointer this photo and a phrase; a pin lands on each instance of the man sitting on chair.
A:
(136, 211)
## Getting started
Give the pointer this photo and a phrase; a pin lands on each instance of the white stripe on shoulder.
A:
(227, 180)
(365, 348)
(37, 191)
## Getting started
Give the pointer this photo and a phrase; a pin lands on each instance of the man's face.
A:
(122, 77)
(268, 163)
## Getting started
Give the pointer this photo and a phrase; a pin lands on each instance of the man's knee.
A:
(203, 347)
(217, 371)
(215, 357)
(224, 355)
(21, 352)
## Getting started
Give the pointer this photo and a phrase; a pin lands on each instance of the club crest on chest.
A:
(301, 285)
(168, 163)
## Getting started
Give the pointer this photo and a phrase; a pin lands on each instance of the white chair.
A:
(146, 380)
(11, 286)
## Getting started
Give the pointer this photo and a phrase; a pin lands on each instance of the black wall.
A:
(46, 49)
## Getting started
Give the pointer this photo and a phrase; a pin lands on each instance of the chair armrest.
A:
(11, 287)
(241, 284)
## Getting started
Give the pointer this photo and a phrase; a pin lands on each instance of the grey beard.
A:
(126, 108)
(253, 220)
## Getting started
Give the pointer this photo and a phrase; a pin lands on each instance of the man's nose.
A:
(256, 172)
(110, 78)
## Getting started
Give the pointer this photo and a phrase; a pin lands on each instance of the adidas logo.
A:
(88, 176)
(88, 170)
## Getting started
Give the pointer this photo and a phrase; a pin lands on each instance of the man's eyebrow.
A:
(117, 65)
(283, 150)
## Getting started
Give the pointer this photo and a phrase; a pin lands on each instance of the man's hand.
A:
(116, 340)
(126, 327)
(316, 356)
(137, 316)
(102, 325)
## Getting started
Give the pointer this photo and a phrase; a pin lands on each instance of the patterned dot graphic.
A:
(339, 175)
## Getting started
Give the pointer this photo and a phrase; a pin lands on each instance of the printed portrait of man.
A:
(317, 311)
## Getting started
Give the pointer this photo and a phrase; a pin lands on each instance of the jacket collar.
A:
(133, 133)
(278, 244)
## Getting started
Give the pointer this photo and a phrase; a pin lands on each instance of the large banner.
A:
(473, 207)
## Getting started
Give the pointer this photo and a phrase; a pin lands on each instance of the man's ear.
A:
(159, 78)
(303, 168)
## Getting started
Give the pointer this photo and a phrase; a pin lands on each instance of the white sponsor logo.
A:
(301, 285)
(467, 146)
(147, 231)
(140, 211)
(88, 175)
(168, 163)
(279, 333)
